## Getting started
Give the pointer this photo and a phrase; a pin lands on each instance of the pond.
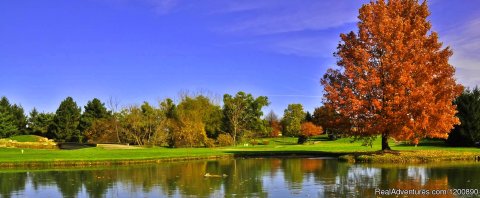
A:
(244, 177)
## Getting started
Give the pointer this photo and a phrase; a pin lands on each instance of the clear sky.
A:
(146, 50)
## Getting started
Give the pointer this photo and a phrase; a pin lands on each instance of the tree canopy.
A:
(274, 128)
(467, 133)
(65, 122)
(394, 78)
(94, 110)
(243, 112)
(292, 119)
(39, 123)
(12, 118)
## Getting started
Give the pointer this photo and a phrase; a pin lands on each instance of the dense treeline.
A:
(196, 120)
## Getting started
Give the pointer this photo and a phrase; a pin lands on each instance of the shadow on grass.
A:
(320, 138)
(74, 146)
(427, 142)
(284, 142)
(296, 153)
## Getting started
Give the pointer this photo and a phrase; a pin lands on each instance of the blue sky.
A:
(147, 50)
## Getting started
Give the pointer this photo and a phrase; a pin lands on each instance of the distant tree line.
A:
(195, 121)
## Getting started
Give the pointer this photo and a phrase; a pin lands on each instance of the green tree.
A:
(39, 123)
(132, 123)
(94, 110)
(468, 111)
(308, 117)
(7, 126)
(202, 110)
(19, 118)
(292, 120)
(243, 112)
(168, 110)
(152, 121)
(142, 124)
(65, 122)
(12, 118)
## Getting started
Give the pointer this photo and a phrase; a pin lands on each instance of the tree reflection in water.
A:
(258, 177)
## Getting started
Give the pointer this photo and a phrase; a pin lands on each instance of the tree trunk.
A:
(385, 142)
(234, 136)
(116, 131)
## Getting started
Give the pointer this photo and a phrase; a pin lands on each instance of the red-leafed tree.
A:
(394, 78)
(309, 129)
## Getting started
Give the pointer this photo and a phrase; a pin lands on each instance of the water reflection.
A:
(252, 177)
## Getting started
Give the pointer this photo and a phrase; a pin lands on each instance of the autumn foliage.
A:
(394, 77)
(309, 129)
(276, 128)
(331, 122)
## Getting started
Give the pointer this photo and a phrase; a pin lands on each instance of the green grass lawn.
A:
(26, 138)
(277, 146)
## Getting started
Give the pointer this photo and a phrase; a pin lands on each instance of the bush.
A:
(253, 142)
(265, 142)
(209, 143)
(49, 144)
(225, 140)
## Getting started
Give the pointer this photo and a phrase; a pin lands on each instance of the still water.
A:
(249, 177)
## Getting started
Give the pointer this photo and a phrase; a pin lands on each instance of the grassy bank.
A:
(425, 152)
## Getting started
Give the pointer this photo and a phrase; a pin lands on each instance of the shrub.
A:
(265, 142)
(253, 142)
(225, 140)
(209, 143)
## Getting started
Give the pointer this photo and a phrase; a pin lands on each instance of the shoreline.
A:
(410, 157)
(116, 162)
(375, 157)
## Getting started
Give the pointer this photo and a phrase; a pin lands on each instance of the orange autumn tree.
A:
(394, 78)
(309, 129)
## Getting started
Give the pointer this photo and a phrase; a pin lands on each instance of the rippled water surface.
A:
(250, 177)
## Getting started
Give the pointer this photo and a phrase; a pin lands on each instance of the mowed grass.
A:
(26, 138)
(320, 146)
(100, 154)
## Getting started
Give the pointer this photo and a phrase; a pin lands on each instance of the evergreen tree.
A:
(39, 123)
(31, 121)
(467, 133)
(66, 121)
(308, 117)
(12, 118)
(19, 118)
(7, 127)
(94, 110)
